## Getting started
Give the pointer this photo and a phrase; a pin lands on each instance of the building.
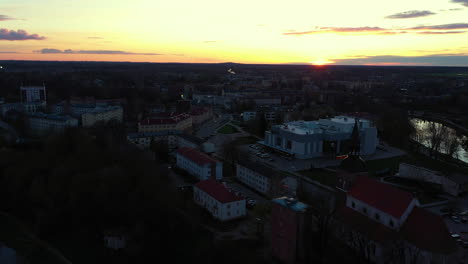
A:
(191, 141)
(43, 124)
(17, 107)
(166, 121)
(218, 200)
(453, 184)
(252, 115)
(255, 175)
(288, 219)
(102, 114)
(201, 115)
(143, 140)
(31, 94)
(33, 107)
(324, 137)
(384, 224)
(199, 164)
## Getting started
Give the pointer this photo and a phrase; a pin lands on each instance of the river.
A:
(423, 136)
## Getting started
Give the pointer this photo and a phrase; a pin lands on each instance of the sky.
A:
(359, 32)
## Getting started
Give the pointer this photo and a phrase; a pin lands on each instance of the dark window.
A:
(364, 210)
(391, 223)
(353, 204)
(377, 217)
(289, 144)
(278, 141)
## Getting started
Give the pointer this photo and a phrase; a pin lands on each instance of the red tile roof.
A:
(196, 156)
(382, 196)
(428, 231)
(217, 191)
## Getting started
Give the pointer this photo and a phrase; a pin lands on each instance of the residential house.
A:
(199, 164)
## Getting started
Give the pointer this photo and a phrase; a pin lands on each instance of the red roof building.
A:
(218, 200)
(198, 164)
(166, 121)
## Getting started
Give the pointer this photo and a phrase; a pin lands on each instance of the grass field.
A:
(227, 129)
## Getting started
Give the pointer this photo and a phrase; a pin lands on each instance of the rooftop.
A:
(192, 138)
(291, 203)
(337, 124)
(196, 156)
(153, 134)
(165, 118)
(217, 191)
(379, 195)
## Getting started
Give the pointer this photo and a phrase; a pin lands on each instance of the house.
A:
(384, 224)
(191, 141)
(256, 175)
(199, 164)
(218, 200)
(288, 220)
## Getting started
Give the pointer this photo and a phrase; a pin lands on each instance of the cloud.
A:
(8, 52)
(455, 9)
(95, 38)
(429, 60)
(411, 14)
(5, 17)
(428, 30)
(463, 2)
(11, 35)
(440, 32)
(101, 52)
(337, 30)
(443, 27)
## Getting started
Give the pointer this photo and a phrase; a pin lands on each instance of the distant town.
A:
(232, 163)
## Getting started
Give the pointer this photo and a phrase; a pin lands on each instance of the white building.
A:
(218, 200)
(199, 164)
(102, 114)
(33, 94)
(386, 225)
(256, 176)
(41, 124)
(309, 139)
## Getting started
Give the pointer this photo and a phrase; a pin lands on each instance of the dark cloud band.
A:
(102, 52)
(411, 14)
(12, 35)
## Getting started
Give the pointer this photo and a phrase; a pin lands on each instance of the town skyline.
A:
(418, 33)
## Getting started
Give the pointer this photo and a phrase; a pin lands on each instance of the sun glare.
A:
(319, 62)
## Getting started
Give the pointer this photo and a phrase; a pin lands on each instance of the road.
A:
(211, 126)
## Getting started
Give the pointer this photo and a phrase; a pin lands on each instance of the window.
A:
(353, 204)
(377, 217)
(289, 144)
(364, 210)
(391, 223)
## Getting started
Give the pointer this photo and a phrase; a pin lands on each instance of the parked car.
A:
(264, 155)
(465, 244)
(456, 236)
(272, 159)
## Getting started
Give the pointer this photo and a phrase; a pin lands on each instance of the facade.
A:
(199, 164)
(143, 140)
(167, 121)
(5, 108)
(256, 176)
(42, 124)
(454, 184)
(309, 139)
(384, 224)
(201, 115)
(288, 218)
(218, 200)
(102, 114)
(33, 107)
(251, 115)
(31, 94)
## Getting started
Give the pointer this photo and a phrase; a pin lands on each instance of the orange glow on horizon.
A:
(321, 62)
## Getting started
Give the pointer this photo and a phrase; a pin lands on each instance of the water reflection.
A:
(440, 138)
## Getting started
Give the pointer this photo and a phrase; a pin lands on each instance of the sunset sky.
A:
(364, 32)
